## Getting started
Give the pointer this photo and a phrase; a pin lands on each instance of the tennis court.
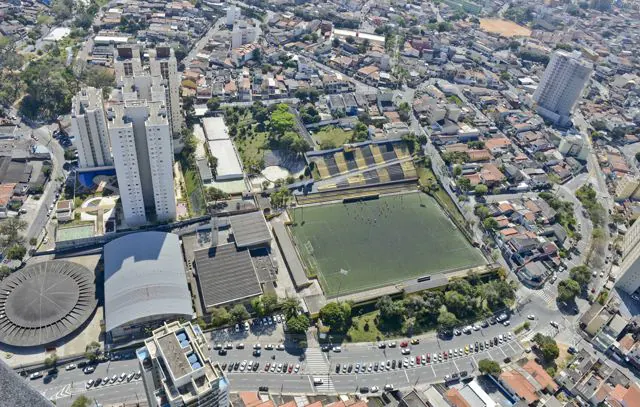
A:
(363, 245)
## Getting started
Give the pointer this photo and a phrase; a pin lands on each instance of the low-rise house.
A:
(64, 210)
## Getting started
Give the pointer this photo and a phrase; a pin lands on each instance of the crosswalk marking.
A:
(548, 331)
(546, 296)
(315, 361)
(326, 386)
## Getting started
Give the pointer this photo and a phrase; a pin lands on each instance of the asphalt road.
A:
(44, 135)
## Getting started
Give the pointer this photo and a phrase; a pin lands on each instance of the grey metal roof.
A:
(45, 302)
(225, 275)
(250, 229)
(16, 391)
(144, 278)
(290, 255)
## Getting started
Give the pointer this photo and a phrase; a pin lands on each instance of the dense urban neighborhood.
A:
(260, 203)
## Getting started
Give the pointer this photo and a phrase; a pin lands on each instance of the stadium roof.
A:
(215, 129)
(229, 166)
(225, 275)
(45, 302)
(250, 229)
(144, 278)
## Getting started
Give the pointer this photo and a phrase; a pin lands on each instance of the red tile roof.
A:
(520, 385)
(541, 376)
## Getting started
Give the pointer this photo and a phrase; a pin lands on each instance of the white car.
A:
(336, 349)
(257, 346)
(70, 367)
(388, 387)
(374, 389)
(476, 327)
(89, 383)
(269, 347)
(281, 347)
(35, 375)
(297, 368)
(554, 324)
(531, 317)
(391, 344)
(506, 323)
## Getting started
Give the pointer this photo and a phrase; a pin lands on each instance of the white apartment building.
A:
(561, 86)
(140, 133)
(233, 14)
(89, 128)
(163, 63)
(243, 33)
(177, 371)
(629, 276)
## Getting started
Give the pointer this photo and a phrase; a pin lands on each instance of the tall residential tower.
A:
(163, 62)
(562, 83)
(140, 132)
(89, 127)
(629, 276)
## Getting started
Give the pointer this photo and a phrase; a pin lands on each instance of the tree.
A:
(298, 324)
(214, 194)
(568, 290)
(336, 315)
(82, 401)
(92, 351)
(239, 313)
(16, 252)
(213, 104)
(404, 111)
(4, 272)
(280, 198)
(258, 306)
(10, 230)
(481, 189)
(581, 275)
(447, 320)
(457, 303)
(488, 366)
(270, 302)
(282, 120)
(220, 316)
(638, 156)
(490, 223)
(391, 312)
(290, 306)
(98, 77)
(51, 360)
(360, 132)
(548, 347)
(336, 42)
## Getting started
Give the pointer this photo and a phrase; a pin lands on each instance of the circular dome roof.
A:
(44, 302)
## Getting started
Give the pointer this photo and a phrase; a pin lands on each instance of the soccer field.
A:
(379, 242)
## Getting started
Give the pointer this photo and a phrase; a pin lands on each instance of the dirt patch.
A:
(505, 28)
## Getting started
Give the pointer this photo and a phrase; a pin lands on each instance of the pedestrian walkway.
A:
(315, 362)
(326, 387)
(548, 331)
(547, 296)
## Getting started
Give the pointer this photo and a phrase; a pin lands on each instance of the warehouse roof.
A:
(228, 162)
(144, 277)
(215, 129)
(225, 274)
(250, 229)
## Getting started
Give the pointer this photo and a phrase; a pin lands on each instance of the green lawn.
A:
(364, 328)
(426, 176)
(251, 149)
(379, 242)
(331, 137)
(194, 191)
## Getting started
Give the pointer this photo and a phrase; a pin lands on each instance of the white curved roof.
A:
(144, 278)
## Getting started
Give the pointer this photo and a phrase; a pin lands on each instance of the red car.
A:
(290, 368)
(428, 358)
(404, 344)
(445, 355)
(266, 367)
(417, 360)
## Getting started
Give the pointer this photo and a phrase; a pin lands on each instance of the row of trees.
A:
(462, 299)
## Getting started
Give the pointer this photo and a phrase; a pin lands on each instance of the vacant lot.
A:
(504, 27)
(332, 137)
(379, 242)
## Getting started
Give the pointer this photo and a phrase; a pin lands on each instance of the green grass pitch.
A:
(379, 242)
